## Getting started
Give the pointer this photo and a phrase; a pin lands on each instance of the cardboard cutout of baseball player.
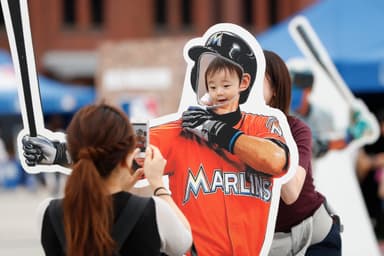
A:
(348, 112)
(225, 166)
(336, 168)
(228, 212)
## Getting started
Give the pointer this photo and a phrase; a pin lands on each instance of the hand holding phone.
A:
(142, 139)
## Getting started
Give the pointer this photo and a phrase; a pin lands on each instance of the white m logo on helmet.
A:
(215, 39)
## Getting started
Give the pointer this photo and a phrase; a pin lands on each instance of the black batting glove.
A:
(41, 150)
(195, 116)
(200, 122)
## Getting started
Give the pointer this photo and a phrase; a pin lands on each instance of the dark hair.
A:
(99, 137)
(278, 76)
(380, 115)
(221, 64)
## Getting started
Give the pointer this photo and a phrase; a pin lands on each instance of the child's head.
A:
(220, 64)
(224, 80)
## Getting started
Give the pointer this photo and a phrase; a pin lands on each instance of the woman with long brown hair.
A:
(101, 143)
(304, 224)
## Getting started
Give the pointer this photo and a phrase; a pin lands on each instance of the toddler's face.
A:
(223, 88)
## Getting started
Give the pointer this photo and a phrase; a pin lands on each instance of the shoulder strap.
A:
(128, 219)
(193, 250)
(120, 230)
(55, 212)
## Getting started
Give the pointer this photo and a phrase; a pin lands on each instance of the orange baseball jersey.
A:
(228, 212)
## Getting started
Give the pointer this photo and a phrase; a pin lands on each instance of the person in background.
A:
(318, 119)
(4, 158)
(370, 173)
(95, 193)
(304, 224)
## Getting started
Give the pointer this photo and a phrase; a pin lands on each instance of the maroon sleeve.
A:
(303, 138)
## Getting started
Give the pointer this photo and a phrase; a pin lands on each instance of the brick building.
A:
(106, 43)
(66, 33)
(76, 40)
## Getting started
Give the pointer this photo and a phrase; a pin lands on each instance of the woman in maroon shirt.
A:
(304, 224)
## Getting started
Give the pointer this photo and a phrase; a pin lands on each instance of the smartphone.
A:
(142, 140)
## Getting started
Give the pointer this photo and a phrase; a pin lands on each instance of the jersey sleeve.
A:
(163, 137)
(303, 138)
(269, 127)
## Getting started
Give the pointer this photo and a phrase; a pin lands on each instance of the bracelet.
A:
(158, 188)
(163, 194)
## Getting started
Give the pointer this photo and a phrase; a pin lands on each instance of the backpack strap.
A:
(121, 229)
(128, 219)
(55, 212)
(193, 250)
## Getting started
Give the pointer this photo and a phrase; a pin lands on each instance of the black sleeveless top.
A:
(143, 240)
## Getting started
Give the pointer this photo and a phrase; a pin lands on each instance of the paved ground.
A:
(18, 221)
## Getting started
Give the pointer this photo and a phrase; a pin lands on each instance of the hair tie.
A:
(84, 154)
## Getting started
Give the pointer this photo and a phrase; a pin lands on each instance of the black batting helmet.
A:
(229, 46)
